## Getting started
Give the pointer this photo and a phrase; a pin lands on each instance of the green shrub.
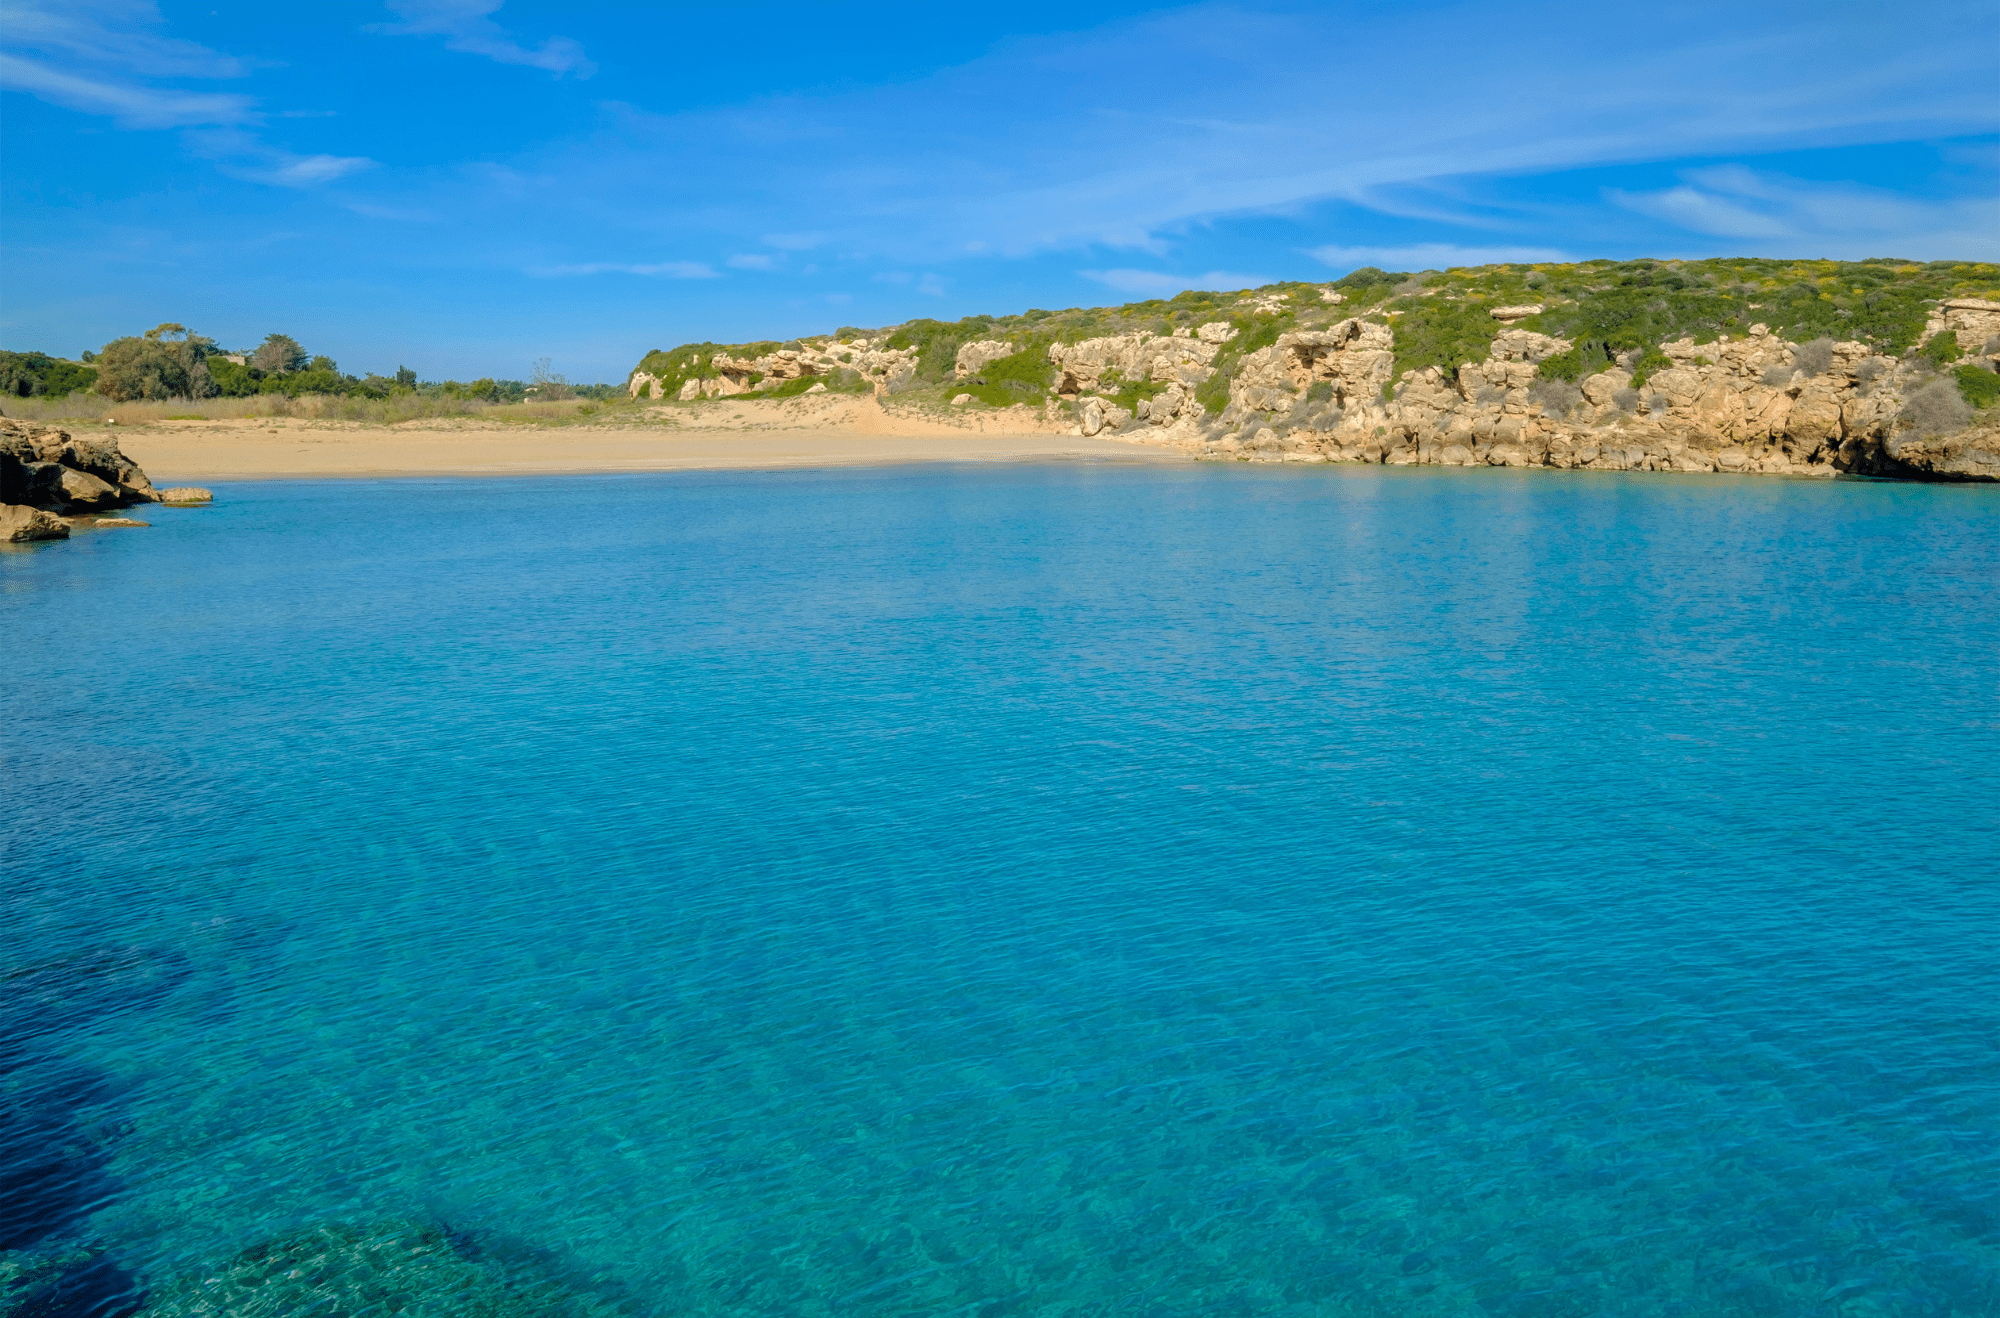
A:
(839, 382)
(937, 343)
(233, 381)
(690, 361)
(1130, 392)
(1581, 361)
(1942, 350)
(1020, 377)
(1652, 359)
(1439, 331)
(1367, 276)
(38, 375)
(1980, 386)
(790, 388)
(1253, 332)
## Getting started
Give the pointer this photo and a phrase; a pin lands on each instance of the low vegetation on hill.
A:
(1609, 311)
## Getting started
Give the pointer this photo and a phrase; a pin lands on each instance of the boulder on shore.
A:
(19, 523)
(186, 494)
(48, 475)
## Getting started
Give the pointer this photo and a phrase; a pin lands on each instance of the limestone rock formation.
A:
(1554, 364)
(726, 376)
(20, 523)
(182, 494)
(1751, 404)
(1973, 321)
(1180, 359)
(973, 356)
(47, 475)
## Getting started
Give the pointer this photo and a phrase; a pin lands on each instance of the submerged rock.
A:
(409, 1269)
(69, 1278)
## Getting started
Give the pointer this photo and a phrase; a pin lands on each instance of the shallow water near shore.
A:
(1018, 890)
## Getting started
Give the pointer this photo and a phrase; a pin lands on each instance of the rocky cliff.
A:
(1749, 404)
(51, 481)
(1883, 368)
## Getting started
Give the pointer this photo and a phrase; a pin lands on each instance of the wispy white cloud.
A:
(1832, 219)
(663, 269)
(1154, 283)
(132, 104)
(467, 26)
(124, 34)
(106, 57)
(98, 57)
(754, 261)
(931, 286)
(243, 155)
(793, 242)
(1430, 256)
(292, 171)
(1094, 148)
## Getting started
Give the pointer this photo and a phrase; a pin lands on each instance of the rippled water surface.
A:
(1009, 891)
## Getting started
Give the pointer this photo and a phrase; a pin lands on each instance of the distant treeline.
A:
(171, 361)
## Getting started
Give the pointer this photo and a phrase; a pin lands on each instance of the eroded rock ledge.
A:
(1752, 404)
(51, 481)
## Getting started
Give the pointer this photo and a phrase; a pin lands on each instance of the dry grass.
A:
(83, 409)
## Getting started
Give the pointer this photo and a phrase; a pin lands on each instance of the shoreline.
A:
(284, 449)
(807, 434)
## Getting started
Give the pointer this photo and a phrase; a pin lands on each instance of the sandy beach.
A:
(747, 434)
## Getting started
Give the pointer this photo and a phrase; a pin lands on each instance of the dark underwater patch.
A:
(411, 1269)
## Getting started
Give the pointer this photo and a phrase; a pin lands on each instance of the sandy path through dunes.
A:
(800, 433)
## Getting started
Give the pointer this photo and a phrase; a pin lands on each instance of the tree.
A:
(406, 378)
(156, 365)
(277, 354)
(233, 380)
(548, 385)
(38, 375)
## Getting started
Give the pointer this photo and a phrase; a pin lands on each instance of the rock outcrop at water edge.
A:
(49, 479)
(1749, 404)
(1882, 367)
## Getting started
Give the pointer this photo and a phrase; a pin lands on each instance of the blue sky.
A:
(465, 186)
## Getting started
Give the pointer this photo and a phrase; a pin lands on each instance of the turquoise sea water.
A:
(1028, 890)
